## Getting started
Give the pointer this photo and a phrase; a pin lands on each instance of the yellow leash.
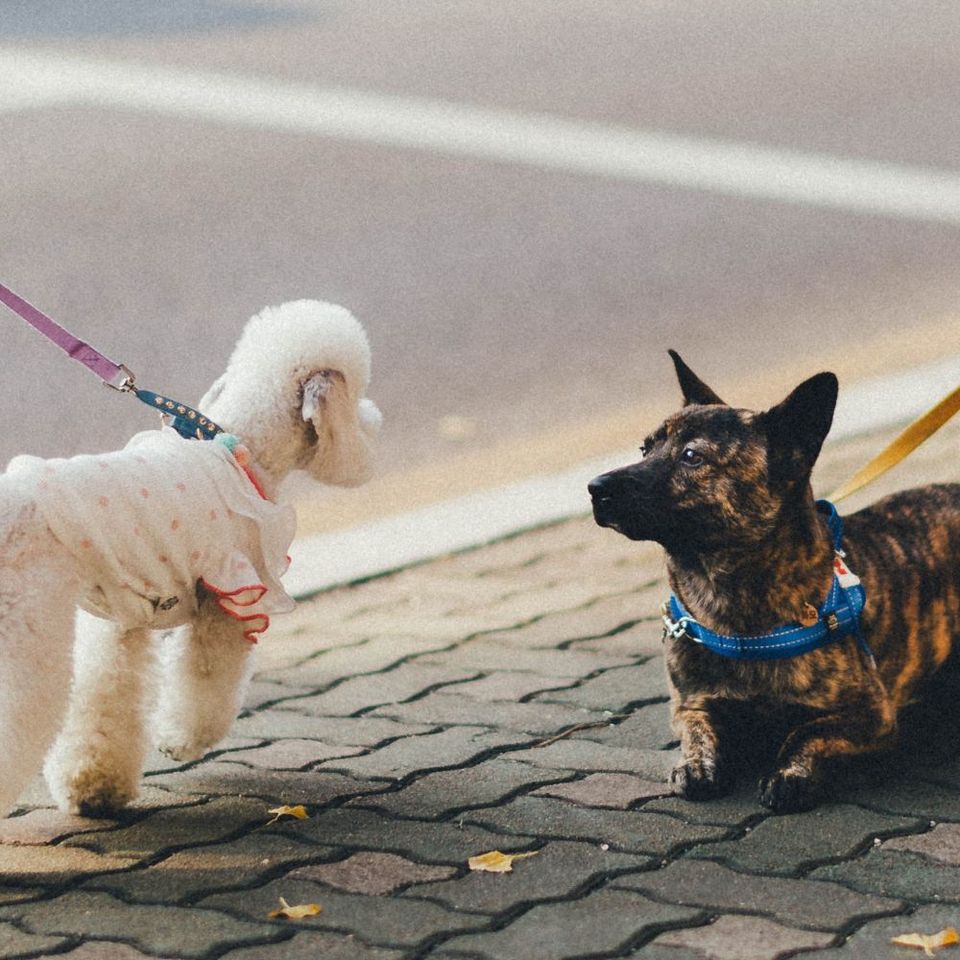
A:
(902, 446)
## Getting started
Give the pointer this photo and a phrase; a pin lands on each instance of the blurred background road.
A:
(525, 202)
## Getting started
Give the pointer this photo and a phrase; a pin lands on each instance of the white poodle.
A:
(166, 533)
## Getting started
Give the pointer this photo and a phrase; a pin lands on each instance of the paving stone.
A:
(288, 754)
(912, 797)
(615, 790)
(454, 746)
(742, 938)
(379, 653)
(221, 778)
(315, 945)
(523, 604)
(57, 865)
(643, 640)
(576, 754)
(942, 843)
(536, 718)
(872, 940)
(596, 619)
(378, 689)
(44, 826)
(634, 831)
(186, 875)
(615, 689)
(177, 827)
(439, 795)
(737, 809)
(785, 845)
(16, 943)
(645, 728)
(106, 950)
(559, 870)
(261, 692)
(424, 841)
(504, 685)
(18, 894)
(799, 903)
(275, 724)
(157, 930)
(371, 873)
(484, 655)
(895, 873)
(602, 923)
(378, 921)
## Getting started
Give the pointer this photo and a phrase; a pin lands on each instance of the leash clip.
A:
(123, 381)
(676, 628)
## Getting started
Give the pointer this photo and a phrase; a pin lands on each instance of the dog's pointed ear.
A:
(797, 427)
(694, 389)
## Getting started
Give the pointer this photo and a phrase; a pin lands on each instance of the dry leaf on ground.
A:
(286, 912)
(928, 942)
(497, 862)
(299, 812)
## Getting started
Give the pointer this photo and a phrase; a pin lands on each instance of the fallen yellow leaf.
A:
(295, 913)
(928, 942)
(497, 862)
(299, 812)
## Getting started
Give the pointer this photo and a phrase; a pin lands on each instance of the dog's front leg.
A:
(95, 765)
(703, 773)
(799, 776)
(204, 672)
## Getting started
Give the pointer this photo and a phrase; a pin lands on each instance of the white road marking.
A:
(35, 78)
(346, 556)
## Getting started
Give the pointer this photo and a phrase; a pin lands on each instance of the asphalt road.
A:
(507, 295)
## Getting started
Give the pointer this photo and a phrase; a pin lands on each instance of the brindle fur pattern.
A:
(727, 493)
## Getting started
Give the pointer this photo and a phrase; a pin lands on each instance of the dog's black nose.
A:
(597, 487)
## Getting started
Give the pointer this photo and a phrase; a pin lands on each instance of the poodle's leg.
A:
(204, 673)
(36, 635)
(96, 763)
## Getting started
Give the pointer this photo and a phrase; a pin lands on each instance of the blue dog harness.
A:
(838, 616)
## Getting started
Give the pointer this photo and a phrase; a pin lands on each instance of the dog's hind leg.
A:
(36, 634)
(96, 763)
(865, 725)
(204, 674)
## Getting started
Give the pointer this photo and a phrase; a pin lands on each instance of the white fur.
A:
(304, 357)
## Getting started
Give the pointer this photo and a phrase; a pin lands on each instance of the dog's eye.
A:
(691, 457)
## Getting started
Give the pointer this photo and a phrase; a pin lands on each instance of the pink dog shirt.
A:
(152, 521)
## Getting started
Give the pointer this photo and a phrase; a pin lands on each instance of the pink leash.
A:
(185, 420)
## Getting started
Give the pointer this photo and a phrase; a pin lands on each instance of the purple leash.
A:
(185, 420)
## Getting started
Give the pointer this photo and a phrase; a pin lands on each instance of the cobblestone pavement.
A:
(509, 698)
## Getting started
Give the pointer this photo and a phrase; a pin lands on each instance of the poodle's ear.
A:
(314, 391)
(340, 429)
(694, 389)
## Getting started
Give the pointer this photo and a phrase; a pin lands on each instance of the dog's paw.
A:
(91, 792)
(183, 749)
(699, 780)
(785, 791)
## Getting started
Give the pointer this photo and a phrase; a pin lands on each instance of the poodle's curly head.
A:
(294, 390)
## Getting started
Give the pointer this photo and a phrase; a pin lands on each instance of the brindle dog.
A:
(727, 493)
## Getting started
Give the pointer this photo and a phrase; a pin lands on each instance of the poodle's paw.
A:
(185, 745)
(183, 749)
(93, 789)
